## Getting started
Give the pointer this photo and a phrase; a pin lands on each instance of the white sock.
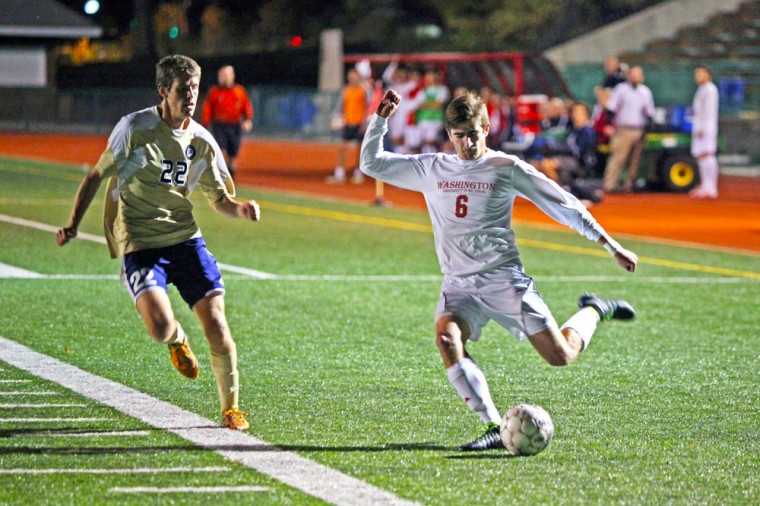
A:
(708, 172)
(340, 173)
(471, 384)
(179, 335)
(584, 323)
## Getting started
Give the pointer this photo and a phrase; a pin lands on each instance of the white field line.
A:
(298, 472)
(46, 420)
(28, 393)
(48, 228)
(15, 381)
(40, 406)
(247, 272)
(9, 271)
(118, 471)
(113, 433)
(187, 490)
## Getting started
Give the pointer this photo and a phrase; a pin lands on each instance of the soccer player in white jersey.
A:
(469, 196)
(154, 159)
(704, 139)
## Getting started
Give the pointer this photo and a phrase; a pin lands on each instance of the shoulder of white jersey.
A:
(144, 118)
(501, 159)
(118, 141)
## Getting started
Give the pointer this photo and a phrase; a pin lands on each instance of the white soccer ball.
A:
(526, 429)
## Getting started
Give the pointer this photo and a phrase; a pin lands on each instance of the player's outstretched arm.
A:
(388, 104)
(249, 209)
(86, 192)
(625, 258)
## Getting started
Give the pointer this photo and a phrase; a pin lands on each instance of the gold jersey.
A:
(153, 169)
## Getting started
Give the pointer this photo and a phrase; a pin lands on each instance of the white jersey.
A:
(470, 201)
(705, 120)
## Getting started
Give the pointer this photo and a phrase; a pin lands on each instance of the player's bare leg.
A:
(468, 380)
(211, 315)
(156, 312)
(558, 347)
(561, 346)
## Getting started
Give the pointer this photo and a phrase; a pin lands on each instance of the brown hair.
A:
(177, 65)
(464, 109)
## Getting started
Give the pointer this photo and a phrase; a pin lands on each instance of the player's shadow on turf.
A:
(391, 447)
(473, 456)
(63, 431)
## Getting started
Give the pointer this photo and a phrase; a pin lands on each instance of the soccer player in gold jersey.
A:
(154, 159)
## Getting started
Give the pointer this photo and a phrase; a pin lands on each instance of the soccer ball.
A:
(526, 429)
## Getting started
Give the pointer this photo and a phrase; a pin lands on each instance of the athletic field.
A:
(331, 305)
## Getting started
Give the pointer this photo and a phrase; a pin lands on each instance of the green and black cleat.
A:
(608, 309)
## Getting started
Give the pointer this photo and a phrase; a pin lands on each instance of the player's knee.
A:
(446, 342)
(560, 358)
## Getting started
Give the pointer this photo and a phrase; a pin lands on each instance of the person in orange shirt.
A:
(354, 104)
(227, 113)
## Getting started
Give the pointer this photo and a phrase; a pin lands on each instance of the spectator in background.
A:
(555, 119)
(632, 104)
(614, 72)
(572, 166)
(408, 110)
(434, 97)
(399, 78)
(228, 113)
(601, 119)
(353, 107)
(704, 138)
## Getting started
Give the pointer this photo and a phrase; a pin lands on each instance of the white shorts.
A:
(506, 295)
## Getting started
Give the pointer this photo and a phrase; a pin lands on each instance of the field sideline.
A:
(331, 305)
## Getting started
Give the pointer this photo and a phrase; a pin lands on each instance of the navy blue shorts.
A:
(228, 136)
(188, 265)
(353, 133)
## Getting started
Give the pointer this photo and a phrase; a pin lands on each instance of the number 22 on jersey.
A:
(174, 173)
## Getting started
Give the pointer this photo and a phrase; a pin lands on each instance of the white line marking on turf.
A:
(118, 471)
(15, 381)
(247, 272)
(40, 406)
(298, 472)
(9, 271)
(28, 393)
(48, 228)
(117, 433)
(187, 490)
(44, 420)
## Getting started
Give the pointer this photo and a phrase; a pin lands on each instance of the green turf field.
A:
(338, 364)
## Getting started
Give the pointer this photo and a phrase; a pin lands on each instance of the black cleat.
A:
(608, 309)
(490, 439)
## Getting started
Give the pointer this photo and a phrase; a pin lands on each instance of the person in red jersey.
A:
(228, 113)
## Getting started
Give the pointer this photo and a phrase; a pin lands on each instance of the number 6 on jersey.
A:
(460, 211)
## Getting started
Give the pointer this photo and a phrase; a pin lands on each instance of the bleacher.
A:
(728, 42)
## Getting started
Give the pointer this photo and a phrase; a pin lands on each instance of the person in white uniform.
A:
(469, 197)
(704, 139)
